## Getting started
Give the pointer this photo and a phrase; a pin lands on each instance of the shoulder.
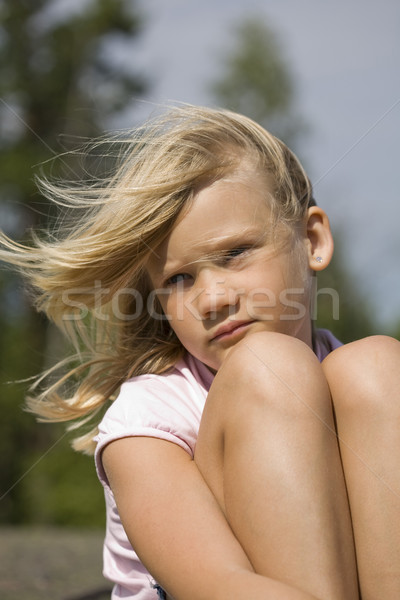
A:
(155, 396)
(167, 406)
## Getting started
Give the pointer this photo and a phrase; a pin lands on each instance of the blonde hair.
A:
(121, 221)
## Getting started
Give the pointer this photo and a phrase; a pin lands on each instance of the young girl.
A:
(245, 455)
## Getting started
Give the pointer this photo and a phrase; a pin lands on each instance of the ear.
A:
(319, 239)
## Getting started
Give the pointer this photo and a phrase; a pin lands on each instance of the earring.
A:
(319, 259)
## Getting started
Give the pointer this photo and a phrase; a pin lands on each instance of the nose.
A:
(213, 294)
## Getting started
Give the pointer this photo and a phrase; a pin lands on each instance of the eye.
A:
(178, 278)
(234, 253)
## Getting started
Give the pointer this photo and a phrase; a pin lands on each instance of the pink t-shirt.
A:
(168, 407)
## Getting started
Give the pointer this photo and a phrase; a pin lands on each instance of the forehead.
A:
(219, 214)
(239, 196)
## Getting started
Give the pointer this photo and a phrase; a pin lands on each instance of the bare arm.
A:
(177, 528)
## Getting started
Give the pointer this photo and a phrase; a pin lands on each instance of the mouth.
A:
(230, 330)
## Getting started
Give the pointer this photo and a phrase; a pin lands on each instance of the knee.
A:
(262, 354)
(365, 375)
(273, 370)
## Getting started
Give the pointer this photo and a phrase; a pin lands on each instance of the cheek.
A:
(272, 286)
(298, 267)
(267, 279)
(173, 308)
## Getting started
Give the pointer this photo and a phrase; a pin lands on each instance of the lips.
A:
(230, 328)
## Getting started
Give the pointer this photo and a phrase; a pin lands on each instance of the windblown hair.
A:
(90, 279)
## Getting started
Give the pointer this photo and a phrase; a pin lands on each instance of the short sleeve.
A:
(165, 407)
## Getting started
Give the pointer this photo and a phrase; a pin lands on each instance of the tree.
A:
(257, 80)
(60, 78)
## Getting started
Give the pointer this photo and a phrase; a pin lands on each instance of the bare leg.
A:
(364, 378)
(268, 450)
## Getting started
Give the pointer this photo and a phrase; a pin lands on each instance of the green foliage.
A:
(57, 78)
(41, 479)
(60, 80)
(396, 331)
(257, 81)
(62, 488)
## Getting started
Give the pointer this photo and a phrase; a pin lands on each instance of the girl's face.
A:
(218, 277)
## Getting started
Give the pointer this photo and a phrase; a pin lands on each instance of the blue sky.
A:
(345, 57)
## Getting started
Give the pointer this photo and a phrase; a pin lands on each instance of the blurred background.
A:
(322, 76)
